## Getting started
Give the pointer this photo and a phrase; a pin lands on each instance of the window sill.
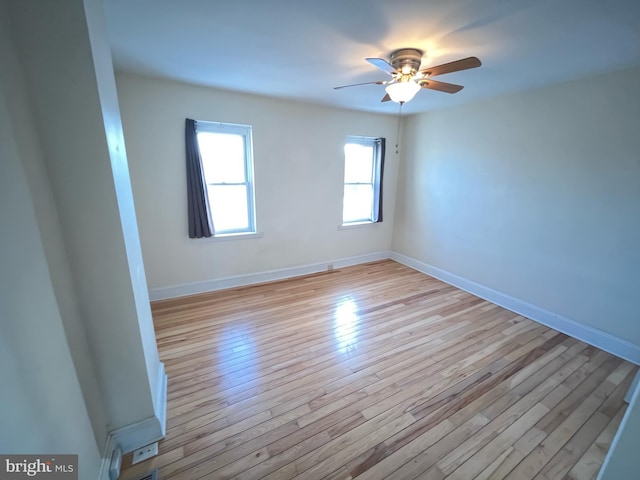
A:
(349, 226)
(227, 237)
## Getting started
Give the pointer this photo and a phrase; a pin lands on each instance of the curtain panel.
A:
(377, 199)
(200, 224)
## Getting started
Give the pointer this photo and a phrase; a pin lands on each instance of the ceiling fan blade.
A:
(464, 64)
(440, 86)
(386, 98)
(382, 65)
(379, 82)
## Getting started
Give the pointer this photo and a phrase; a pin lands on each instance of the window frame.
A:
(246, 132)
(376, 174)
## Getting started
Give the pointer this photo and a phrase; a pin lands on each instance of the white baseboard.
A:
(138, 435)
(183, 290)
(602, 340)
(635, 386)
(141, 433)
(160, 401)
(106, 459)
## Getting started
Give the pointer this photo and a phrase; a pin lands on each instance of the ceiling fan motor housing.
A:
(406, 57)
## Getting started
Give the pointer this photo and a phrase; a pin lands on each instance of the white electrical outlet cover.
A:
(145, 452)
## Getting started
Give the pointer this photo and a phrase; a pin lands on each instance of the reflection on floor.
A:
(377, 371)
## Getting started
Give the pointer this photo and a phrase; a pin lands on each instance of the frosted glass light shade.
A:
(402, 92)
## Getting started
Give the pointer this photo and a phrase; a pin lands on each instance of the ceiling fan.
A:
(407, 78)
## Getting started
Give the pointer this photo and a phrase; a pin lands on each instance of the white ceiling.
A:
(300, 49)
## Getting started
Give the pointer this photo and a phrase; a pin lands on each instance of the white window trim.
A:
(246, 132)
(228, 237)
(375, 181)
(350, 226)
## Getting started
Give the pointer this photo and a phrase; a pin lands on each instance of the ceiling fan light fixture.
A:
(402, 92)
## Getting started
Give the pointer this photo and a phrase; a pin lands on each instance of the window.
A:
(227, 165)
(363, 168)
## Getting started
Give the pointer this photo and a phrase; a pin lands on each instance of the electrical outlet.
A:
(144, 453)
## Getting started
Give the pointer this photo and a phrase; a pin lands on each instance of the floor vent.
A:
(150, 476)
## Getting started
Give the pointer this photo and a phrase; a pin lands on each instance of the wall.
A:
(79, 167)
(43, 409)
(534, 195)
(141, 321)
(298, 161)
(28, 146)
(68, 78)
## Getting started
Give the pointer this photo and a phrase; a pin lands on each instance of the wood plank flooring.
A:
(377, 371)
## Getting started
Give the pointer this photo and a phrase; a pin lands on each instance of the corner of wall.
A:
(602, 340)
(146, 431)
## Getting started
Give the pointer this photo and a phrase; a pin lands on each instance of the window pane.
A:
(222, 157)
(357, 203)
(229, 210)
(358, 163)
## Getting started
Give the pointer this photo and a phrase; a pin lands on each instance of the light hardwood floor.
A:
(377, 371)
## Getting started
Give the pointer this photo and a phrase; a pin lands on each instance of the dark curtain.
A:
(378, 197)
(199, 219)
